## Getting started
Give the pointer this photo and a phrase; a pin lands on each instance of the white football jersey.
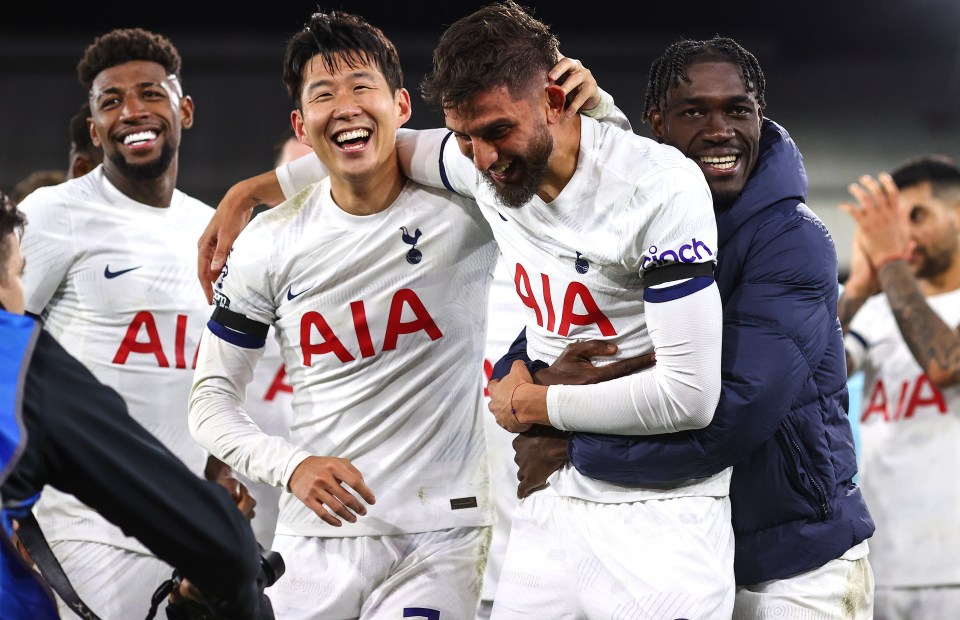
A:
(115, 282)
(578, 262)
(909, 439)
(381, 320)
(504, 322)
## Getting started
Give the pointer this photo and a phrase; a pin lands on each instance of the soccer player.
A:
(84, 156)
(109, 274)
(612, 236)
(382, 352)
(901, 304)
(776, 269)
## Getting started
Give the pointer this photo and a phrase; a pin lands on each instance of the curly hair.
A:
(126, 45)
(667, 70)
(339, 37)
(500, 44)
(12, 220)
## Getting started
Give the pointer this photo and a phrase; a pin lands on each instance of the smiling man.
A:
(387, 506)
(110, 256)
(800, 522)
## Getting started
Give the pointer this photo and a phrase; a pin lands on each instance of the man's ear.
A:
(404, 107)
(93, 133)
(556, 102)
(656, 123)
(186, 111)
(296, 119)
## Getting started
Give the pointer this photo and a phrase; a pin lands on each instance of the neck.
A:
(368, 194)
(563, 160)
(156, 192)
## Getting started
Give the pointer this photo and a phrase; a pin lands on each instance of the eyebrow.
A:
(696, 100)
(327, 82)
(116, 89)
(486, 126)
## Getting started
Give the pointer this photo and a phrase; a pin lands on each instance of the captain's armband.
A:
(237, 329)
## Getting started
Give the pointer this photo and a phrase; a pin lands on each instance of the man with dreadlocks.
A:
(800, 522)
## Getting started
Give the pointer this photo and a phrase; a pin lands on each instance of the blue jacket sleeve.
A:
(517, 351)
(778, 323)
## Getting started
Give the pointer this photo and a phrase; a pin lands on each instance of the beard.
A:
(146, 171)
(934, 264)
(534, 168)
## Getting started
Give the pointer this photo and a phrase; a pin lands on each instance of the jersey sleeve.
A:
(674, 253)
(49, 247)
(219, 423)
(230, 349)
(855, 341)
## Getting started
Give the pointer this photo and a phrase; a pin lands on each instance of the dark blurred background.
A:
(861, 85)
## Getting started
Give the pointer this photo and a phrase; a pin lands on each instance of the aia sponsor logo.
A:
(903, 402)
(691, 252)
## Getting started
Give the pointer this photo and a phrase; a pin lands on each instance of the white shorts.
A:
(116, 584)
(917, 603)
(839, 590)
(430, 575)
(571, 559)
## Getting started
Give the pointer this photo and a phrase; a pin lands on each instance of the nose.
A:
(484, 154)
(718, 129)
(347, 108)
(133, 107)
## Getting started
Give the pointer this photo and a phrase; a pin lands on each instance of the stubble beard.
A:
(534, 162)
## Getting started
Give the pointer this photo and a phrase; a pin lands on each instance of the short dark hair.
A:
(80, 140)
(125, 45)
(941, 172)
(12, 220)
(667, 70)
(339, 36)
(34, 181)
(499, 45)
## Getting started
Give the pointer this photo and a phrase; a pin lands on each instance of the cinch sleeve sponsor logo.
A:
(691, 252)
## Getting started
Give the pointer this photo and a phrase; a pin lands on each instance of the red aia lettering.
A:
(396, 326)
(278, 385)
(922, 392)
(152, 345)
(575, 292)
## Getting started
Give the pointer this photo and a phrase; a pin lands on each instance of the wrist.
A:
(890, 260)
(529, 401)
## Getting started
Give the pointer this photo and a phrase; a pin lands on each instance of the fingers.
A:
(591, 348)
(629, 366)
(564, 65)
(319, 483)
(205, 248)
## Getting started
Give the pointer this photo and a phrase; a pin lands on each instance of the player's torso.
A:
(909, 433)
(382, 320)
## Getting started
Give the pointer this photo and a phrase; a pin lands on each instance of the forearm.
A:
(679, 393)
(933, 344)
(263, 189)
(850, 303)
(219, 423)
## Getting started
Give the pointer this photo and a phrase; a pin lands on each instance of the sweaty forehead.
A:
(489, 106)
(711, 79)
(130, 74)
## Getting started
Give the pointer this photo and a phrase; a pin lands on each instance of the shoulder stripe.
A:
(443, 170)
(670, 293)
(677, 271)
(859, 338)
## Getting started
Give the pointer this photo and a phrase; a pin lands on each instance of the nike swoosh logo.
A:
(113, 274)
(291, 295)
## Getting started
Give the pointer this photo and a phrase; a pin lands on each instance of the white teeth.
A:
(501, 168)
(723, 162)
(140, 136)
(352, 135)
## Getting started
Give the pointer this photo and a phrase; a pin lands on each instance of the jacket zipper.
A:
(801, 461)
